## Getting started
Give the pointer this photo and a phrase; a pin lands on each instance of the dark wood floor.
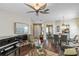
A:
(50, 47)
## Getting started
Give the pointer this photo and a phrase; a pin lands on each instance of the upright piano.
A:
(8, 45)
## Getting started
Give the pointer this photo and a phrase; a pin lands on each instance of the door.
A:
(37, 30)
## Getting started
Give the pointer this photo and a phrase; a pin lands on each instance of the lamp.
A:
(65, 27)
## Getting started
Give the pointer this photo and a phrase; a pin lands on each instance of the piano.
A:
(8, 45)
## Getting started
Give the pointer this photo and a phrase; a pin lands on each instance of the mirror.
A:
(20, 28)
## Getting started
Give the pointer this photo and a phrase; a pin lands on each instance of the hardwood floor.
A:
(34, 52)
(50, 50)
(52, 47)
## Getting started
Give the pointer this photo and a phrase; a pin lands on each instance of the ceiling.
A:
(57, 11)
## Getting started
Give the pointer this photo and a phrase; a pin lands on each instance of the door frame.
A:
(36, 24)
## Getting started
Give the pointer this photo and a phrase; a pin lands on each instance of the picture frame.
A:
(21, 28)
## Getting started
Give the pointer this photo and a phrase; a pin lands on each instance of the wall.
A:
(7, 21)
(73, 26)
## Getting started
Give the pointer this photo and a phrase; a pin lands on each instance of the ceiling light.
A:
(37, 5)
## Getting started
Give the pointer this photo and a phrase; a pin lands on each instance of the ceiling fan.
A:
(38, 8)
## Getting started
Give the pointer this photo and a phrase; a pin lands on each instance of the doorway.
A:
(49, 31)
(37, 30)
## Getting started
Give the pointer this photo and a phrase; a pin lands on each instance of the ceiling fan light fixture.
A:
(36, 5)
(38, 8)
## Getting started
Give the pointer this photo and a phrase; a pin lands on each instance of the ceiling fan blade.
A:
(30, 6)
(43, 7)
(46, 13)
(46, 10)
(43, 12)
(30, 11)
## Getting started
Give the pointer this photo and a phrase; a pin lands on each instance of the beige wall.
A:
(7, 21)
(73, 26)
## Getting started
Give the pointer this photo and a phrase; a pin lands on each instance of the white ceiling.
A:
(57, 11)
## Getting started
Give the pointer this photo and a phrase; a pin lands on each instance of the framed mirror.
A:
(20, 28)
